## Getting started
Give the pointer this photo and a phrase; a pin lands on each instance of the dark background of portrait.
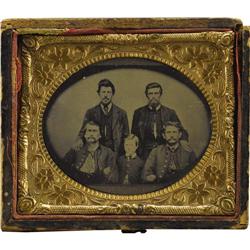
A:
(66, 114)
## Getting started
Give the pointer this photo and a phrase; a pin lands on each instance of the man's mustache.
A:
(91, 137)
(154, 99)
(172, 138)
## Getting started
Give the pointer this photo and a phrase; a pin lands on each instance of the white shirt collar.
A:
(133, 156)
(109, 107)
(157, 108)
(173, 148)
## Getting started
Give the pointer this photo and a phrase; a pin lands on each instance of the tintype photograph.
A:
(127, 126)
(134, 123)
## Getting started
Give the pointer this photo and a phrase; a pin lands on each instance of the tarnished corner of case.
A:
(243, 221)
(248, 29)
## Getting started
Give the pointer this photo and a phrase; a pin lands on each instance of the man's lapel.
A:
(143, 121)
(98, 158)
(81, 156)
(97, 113)
(164, 117)
(115, 116)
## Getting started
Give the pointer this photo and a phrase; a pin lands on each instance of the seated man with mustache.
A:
(167, 160)
(93, 162)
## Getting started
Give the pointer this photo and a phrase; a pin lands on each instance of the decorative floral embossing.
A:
(26, 204)
(44, 75)
(44, 179)
(194, 54)
(211, 72)
(60, 57)
(197, 193)
(31, 43)
(61, 195)
(214, 176)
(205, 57)
(226, 40)
(179, 197)
(225, 202)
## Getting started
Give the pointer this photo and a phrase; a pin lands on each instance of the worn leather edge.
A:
(43, 26)
(6, 180)
(244, 176)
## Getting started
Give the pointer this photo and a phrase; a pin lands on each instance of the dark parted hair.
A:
(174, 124)
(91, 123)
(106, 83)
(153, 85)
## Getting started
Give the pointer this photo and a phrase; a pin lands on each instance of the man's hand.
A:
(107, 171)
(151, 178)
(78, 144)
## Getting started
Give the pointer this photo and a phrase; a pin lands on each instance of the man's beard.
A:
(154, 103)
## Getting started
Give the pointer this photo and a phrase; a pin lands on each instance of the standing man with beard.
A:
(149, 120)
(166, 161)
(92, 163)
(113, 120)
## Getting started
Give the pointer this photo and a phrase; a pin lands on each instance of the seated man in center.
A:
(92, 162)
(166, 161)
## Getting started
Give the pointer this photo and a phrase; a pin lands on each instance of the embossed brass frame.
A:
(206, 58)
(46, 57)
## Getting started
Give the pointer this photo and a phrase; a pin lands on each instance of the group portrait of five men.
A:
(107, 152)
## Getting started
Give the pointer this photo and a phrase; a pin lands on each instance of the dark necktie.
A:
(106, 110)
